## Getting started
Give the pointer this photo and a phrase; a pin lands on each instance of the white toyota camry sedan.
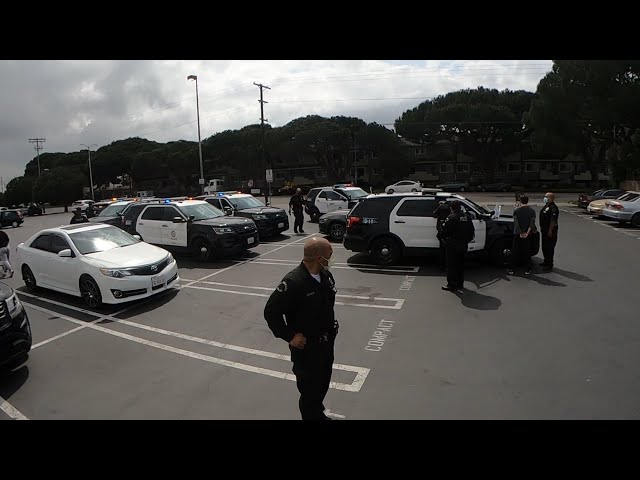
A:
(100, 263)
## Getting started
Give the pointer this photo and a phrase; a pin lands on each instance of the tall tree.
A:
(60, 186)
(19, 190)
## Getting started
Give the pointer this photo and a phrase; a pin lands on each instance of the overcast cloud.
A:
(97, 102)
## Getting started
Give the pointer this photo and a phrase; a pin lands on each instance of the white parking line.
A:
(631, 234)
(10, 410)
(345, 266)
(355, 386)
(242, 262)
(399, 302)
(77, 309)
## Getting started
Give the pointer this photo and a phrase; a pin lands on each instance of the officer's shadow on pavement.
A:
(477, 301)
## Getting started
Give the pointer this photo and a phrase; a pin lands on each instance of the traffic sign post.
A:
(269, 178)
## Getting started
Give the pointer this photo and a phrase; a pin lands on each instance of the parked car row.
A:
(614, 204)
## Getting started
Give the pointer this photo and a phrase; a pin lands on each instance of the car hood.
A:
(224, 221)
(261, 210)
(337, 214)
(132, 256)
(5, 291)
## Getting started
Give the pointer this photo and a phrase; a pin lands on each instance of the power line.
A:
(38, 147)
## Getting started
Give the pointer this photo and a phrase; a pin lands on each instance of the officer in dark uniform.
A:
(549, 230)
(78, 217)
(296, 203)
(300, 311)
(441, 213)
(457, 232)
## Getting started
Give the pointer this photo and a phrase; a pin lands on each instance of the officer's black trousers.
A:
(312, 367)
(548, 247)
(299, 221)
(455, 265)
(443, 255)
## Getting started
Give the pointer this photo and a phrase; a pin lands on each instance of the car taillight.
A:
(351, 221)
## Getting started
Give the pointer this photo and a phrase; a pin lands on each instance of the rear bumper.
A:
(617, 215)
(355, 244)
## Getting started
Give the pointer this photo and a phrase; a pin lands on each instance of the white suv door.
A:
(149, 224)
(335, 201)
(412, 220)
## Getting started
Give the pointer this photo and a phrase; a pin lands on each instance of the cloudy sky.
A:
(97, 101)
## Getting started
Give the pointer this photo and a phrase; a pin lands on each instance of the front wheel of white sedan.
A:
(90, 292)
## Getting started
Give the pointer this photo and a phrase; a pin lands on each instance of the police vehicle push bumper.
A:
(270, 224)
(233, 239)
(15, 331)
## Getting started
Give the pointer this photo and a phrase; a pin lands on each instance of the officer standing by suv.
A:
(549, 230)
(296, 203)
(457, 231)
(300, 311)
(442, 213)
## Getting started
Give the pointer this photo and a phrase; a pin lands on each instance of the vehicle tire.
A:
(29, 279)
(385, 251)
(414, 190)
(622, 222)
(483, 189)
(462, 189)
(337, 231)
(635, 220)
(496, 252)
(390, 191)
(90, 292)
(202, 250)
(15, 224)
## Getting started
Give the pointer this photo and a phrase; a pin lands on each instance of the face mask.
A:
(546, 200)
(330, 263)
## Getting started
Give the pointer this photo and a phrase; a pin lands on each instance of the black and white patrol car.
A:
(269, 220)
(329, 199)
(190, 225)
(392, 226)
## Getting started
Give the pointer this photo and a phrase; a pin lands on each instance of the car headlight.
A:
(170, 259)
(222, 230)
(259, 217)
(115, 273)
(322, 220)
(14, 306)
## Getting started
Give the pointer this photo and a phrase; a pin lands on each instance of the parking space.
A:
(623, 229)
(553, 345)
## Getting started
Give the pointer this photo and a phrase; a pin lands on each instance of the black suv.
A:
(190, 225)
(392, 226)
(269, 220)
(15, 331)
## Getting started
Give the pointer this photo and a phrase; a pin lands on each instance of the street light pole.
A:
(195, 77)
(90, 171)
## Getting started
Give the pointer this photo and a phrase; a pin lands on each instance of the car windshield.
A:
(111, 210)
(240, 203)
(101, 240)
(201, 211)
(354, 193)
(480, 208)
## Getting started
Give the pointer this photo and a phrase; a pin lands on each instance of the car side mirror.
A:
(191, 218)
(228, 211)
(178, 220)
(137, 237)
(66, 253)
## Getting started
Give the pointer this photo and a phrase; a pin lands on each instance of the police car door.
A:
(173, 233)
(149, 224)
(413, 221)
(322, 202)
(335, 201)
(480, 226)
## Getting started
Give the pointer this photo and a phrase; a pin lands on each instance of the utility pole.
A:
(88, 147)
(355, 159)
(38, 147)
(264, 161)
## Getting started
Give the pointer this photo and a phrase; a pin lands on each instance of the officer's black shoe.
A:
(510, 271)
(302, 231)
(527, 271)
(448, 288)
(547, 268)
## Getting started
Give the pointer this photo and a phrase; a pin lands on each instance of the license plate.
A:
(250, 240)
(281, 225)
(155, 281)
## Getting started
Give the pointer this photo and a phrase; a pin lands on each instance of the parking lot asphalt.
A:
(558, 345)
